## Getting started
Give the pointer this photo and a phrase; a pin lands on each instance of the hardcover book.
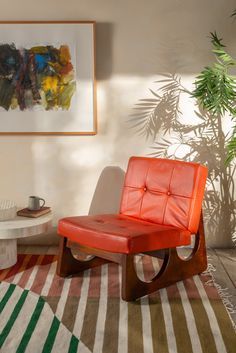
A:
(25, 212)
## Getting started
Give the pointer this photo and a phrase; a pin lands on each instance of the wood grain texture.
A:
(68, 265)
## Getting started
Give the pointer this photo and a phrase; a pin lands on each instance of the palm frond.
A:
(219, 50)
(160, 148)
(161, 111)
(233, 14)
(231, 149)
(216, 41)
(215, 90)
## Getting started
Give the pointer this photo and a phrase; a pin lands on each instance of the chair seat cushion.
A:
(121, 234)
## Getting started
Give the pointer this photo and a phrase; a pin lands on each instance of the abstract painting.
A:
(47, 78)
(41, 75)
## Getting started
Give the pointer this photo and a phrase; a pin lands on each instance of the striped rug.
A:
(27, 324)
(186, 317)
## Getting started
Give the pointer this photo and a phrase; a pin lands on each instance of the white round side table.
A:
(19, 227)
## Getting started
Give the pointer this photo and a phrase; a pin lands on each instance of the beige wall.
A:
(136, 40)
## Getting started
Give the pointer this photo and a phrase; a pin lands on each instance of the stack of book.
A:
(25, 212)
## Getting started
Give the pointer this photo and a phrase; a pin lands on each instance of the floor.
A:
(223, 261)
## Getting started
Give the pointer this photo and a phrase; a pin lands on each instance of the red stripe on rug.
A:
(148, 269)
(95, 283)
(27, 272)
(191, 289)
(7, 274)
(42, 273)
(173, 292)
(152, 271)
(56, 286)
(211, 291)
(21, 269)
(75, 286)
(113, 281)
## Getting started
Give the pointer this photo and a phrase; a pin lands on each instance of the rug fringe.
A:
(223, 292)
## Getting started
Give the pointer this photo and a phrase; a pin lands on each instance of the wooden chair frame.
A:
(174, 268)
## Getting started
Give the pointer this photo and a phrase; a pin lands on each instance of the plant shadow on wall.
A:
(204, 140)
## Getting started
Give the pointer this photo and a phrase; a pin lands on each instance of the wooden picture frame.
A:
(60, 54)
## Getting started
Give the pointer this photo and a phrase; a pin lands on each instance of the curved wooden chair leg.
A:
(68, 265)
(173, 269)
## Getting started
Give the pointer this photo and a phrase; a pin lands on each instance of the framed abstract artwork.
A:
(47, 78)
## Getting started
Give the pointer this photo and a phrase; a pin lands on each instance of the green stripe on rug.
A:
(47, 348)
(31, 326)
(73, 344)
(13, 317)
(7, 296)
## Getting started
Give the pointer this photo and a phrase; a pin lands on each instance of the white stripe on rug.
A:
(48, 280)
(220, 346)
(170, 333)
(146, 320)
(79, 320)
(63, 298)
(146, 326)
(123, 323)
(102, 311)
(191, 324)
(3, 289)
(157, 264)
(18, 276)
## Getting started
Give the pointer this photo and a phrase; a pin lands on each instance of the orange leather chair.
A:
(160, 209)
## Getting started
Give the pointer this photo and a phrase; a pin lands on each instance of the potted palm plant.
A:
(215, 89)
(159, 116)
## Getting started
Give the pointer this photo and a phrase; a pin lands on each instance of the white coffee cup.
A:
(34, 203)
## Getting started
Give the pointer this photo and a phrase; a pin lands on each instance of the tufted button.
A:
(168, 193)
(99, 220)
(144, 189)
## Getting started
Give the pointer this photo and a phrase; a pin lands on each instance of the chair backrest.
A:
(164, 191)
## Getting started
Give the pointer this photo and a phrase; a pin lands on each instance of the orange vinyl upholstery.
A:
(164, 191)
(121, 234)
(160, 208)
